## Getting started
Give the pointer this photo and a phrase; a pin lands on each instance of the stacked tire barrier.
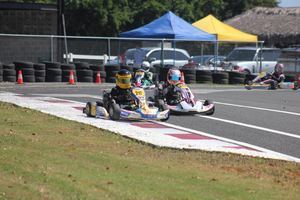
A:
(111, 71)
(84, 73)
(9, 73)
(66, 70)
(1, 72)
(204, 76)
(27, 71)
(39, 72)
(53, 72)
(236, 77)
(189, 75)
(100, 69)
(220, 77)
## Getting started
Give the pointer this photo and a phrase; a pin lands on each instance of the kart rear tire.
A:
(114, 111)
(88, 109)
(162, 107)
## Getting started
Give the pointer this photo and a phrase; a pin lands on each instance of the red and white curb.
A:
(156, 133)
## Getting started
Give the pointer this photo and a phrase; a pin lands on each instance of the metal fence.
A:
(39, 48)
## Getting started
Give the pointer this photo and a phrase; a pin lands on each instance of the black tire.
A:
(236, 80)
(114, 111)
(221, 81)
(162, 107)
(82, 65)
(9, 66)
(39, 66)
(53, 72)
(9, 72)
(189, 78)
(52, 65)
(9, 78)
(211, 112)
(203, 73)
(111, 74)
(97, 67)
(233, 74)
(111, 67)
(40, 79)
(188, 71)
(220, 77)
(110, 79)
(29, 78)
(57, 78)
(23, 65)
(85, 72)
(85, 79)
(67, 67)
(27, 71)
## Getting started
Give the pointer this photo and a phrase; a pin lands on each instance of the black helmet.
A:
(123, 79)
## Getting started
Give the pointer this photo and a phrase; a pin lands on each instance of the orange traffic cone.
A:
(71, 78)
(98, 78)
(20, 77)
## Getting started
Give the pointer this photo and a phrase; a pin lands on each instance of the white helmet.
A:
(279, 67)
(146, 65)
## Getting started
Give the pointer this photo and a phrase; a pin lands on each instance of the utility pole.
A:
(60, 12)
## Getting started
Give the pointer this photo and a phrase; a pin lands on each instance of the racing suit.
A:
(268, 78)
(122, 96)
(172, 96)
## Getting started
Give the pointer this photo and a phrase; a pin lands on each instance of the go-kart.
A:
(141, 110)
(186, 103)
(143, 79)
(271, 86)
(267, 82)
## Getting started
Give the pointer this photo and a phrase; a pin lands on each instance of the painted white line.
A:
(258, 108)
(69, 95)
(231, 141)
(252, 126)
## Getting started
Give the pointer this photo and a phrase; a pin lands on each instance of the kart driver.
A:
(174, 77)
(143, 75)
(121, 92)
(273, 78)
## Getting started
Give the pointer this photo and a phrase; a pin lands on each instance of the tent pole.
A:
(202, 52)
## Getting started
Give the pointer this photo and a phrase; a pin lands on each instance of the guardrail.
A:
(70, 57)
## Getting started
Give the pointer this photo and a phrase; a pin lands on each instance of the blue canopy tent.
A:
(169, 26)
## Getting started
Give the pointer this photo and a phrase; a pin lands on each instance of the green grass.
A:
(45, 157)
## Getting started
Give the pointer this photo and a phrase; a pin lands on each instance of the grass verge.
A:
(45, 157)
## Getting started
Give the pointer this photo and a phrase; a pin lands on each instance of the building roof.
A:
(268, 22)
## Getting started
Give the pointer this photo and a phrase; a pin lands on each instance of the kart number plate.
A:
(139, 93)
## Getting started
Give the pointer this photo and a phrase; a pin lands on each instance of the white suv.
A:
(176, 57)
(247, 59)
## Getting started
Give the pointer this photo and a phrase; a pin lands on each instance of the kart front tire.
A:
(210, 112)
(114, 111)
(90, 109)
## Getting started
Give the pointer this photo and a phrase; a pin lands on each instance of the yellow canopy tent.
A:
(223, 31)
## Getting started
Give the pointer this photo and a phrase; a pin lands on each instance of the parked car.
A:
(208, 62)
(290, 58)
(172, 56)
(252, 59)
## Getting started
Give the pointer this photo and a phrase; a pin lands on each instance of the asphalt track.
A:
(268, 119)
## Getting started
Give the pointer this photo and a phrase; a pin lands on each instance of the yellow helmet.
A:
(123, 79)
